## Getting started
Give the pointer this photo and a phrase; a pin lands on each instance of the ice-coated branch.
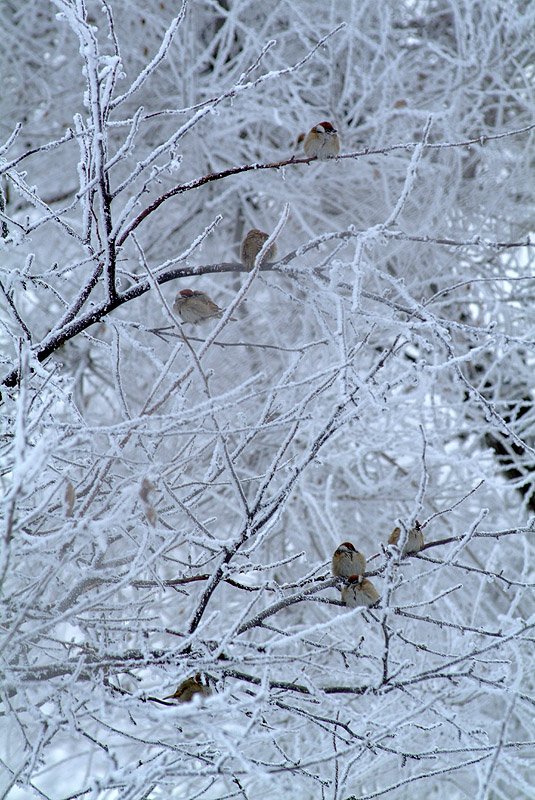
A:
(217, 176)
(147, 72)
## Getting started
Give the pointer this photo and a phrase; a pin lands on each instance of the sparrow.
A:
(415, 539)
(194, 306)
(251, 246)
(359, 591)
(322, 141)
(189, 688)
(347, 561)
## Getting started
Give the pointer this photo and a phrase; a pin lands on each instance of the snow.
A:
(172, 494)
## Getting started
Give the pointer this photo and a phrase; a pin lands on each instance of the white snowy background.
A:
(172, 494)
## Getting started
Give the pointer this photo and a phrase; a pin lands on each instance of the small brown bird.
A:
(194, 306)
(415, 539)
(187, 690)
(322, 141)
(347, 561)
(252, 245)
(359, 591)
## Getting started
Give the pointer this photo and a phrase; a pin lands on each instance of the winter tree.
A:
(173, 491)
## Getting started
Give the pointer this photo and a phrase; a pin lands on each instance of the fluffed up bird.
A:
(187, 690)
(359, 591)
(347, 561)
(415, 539)
(194, 306)
(252, 245)
(322, 141)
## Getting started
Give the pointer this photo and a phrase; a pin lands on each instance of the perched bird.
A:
(195, 306)
(347, 561)
(415, 539)
(359, 591)
(322, 141)
(189, 688)
(252, 245)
